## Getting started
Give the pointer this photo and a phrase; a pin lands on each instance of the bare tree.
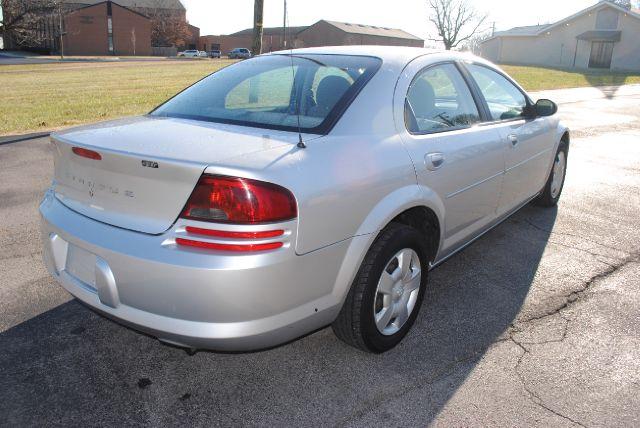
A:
(168, 29)
(456, 21)
(474, 43)
(22, 20)
(133, 40)
(623, 3)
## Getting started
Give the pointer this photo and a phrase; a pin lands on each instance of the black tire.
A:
(546, 198)
(355, 324)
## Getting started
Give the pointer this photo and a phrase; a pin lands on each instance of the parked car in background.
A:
(203, 54)
(215, 54)
(240, 53)
(191, 53)
(321, 196)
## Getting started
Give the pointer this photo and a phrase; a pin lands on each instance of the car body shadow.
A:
(70, 366)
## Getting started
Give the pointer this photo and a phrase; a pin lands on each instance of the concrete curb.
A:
(9, 139)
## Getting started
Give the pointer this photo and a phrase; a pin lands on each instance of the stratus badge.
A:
(149, 164)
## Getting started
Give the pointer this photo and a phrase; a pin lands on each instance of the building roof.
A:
(536, 30)
(369, 30)
(131, 4)
(529, 30)
(372, 30)
(271, 31)
(105, 1)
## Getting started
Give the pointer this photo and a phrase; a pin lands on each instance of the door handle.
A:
(513, 139)
(433, 161)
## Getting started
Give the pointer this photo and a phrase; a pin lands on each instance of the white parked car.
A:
(296, 190)
(191, 53)
(203, 54)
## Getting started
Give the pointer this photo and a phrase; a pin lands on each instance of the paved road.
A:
(538, 323)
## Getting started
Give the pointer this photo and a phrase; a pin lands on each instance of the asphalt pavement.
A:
(535, 324)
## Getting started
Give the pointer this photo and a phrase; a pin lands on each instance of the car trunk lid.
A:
(147, 167)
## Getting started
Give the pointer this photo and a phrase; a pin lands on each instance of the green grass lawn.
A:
(538, 78)
(42, 97)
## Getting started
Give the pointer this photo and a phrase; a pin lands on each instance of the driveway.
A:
(537, 323)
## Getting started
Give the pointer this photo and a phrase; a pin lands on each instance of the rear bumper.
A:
(191, 297)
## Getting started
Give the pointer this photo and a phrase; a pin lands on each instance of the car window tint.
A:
(505, 100)
(306, 92)
(438, 99)
(328, 71)
(268, 90)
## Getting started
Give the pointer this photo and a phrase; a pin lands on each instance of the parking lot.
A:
(537, 323)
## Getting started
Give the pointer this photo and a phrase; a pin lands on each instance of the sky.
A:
(228, 16)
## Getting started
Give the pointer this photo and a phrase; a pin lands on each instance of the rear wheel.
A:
(555, 183)
(386, 295)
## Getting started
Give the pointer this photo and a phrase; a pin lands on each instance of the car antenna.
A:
(301, 143)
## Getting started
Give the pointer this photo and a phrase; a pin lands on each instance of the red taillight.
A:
(239, 200)
(86, 153)
(229, 247)
(236, 235)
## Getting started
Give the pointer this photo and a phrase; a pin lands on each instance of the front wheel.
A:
(555, 182)
(385, 298)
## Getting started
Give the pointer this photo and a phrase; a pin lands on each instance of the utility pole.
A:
(61, 30)
(258, 12)
(284, 26)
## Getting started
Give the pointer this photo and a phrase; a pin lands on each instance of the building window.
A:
(110, 34)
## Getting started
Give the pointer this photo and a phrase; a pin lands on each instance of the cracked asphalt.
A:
(535, 324)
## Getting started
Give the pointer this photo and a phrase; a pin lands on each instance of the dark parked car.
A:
(240, 53)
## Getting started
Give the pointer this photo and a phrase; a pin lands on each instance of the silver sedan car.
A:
(296, 190)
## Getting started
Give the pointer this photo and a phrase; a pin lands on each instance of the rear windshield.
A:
(269, 92)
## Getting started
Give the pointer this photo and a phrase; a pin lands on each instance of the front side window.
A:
(504, 99)
(439, 100)
(270, 91)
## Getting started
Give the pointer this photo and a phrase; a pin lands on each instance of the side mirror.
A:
(545, 108)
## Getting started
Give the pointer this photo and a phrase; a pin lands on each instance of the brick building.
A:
(107, 29)
(157, 11)
(88, 32)
(322, 33)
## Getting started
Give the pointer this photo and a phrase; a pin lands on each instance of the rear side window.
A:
(439, 100)
(269, 91)
(504, 99)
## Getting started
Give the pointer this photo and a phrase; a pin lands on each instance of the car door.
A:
(454, 157)
(527, 142)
